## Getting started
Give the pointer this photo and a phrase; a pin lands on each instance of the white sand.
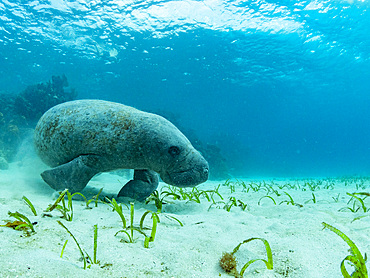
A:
(300, 247)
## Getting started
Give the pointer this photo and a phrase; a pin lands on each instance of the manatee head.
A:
(173, 156)
(187, 167)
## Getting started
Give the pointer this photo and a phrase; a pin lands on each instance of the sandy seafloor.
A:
(300, 247)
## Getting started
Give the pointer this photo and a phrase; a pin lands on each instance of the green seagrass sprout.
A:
(159, 198)
(228, 261)
(65, 209)
(24, 222)
(118, 208)
(30, 205)
(156, 220)
(355, 258)
(84, 255)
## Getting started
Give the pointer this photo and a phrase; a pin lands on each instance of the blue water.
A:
(281, 87)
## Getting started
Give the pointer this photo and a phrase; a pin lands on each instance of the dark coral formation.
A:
(35, 100)
(9, 128)
(219, 168)
(22, 111)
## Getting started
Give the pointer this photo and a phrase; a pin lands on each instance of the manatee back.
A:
(88, 127)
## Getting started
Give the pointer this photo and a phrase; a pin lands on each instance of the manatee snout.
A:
(196, 173)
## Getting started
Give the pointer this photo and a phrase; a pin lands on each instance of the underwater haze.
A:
(282, 88)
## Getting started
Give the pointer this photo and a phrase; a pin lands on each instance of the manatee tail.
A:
(73, 175)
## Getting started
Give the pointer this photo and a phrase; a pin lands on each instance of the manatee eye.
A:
(173, 151)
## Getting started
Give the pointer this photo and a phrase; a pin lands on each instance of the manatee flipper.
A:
(143, 184)
(73, 175)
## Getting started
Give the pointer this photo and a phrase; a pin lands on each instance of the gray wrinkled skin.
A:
(84, 137)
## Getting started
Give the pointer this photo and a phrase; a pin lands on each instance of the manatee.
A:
(82, 138)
